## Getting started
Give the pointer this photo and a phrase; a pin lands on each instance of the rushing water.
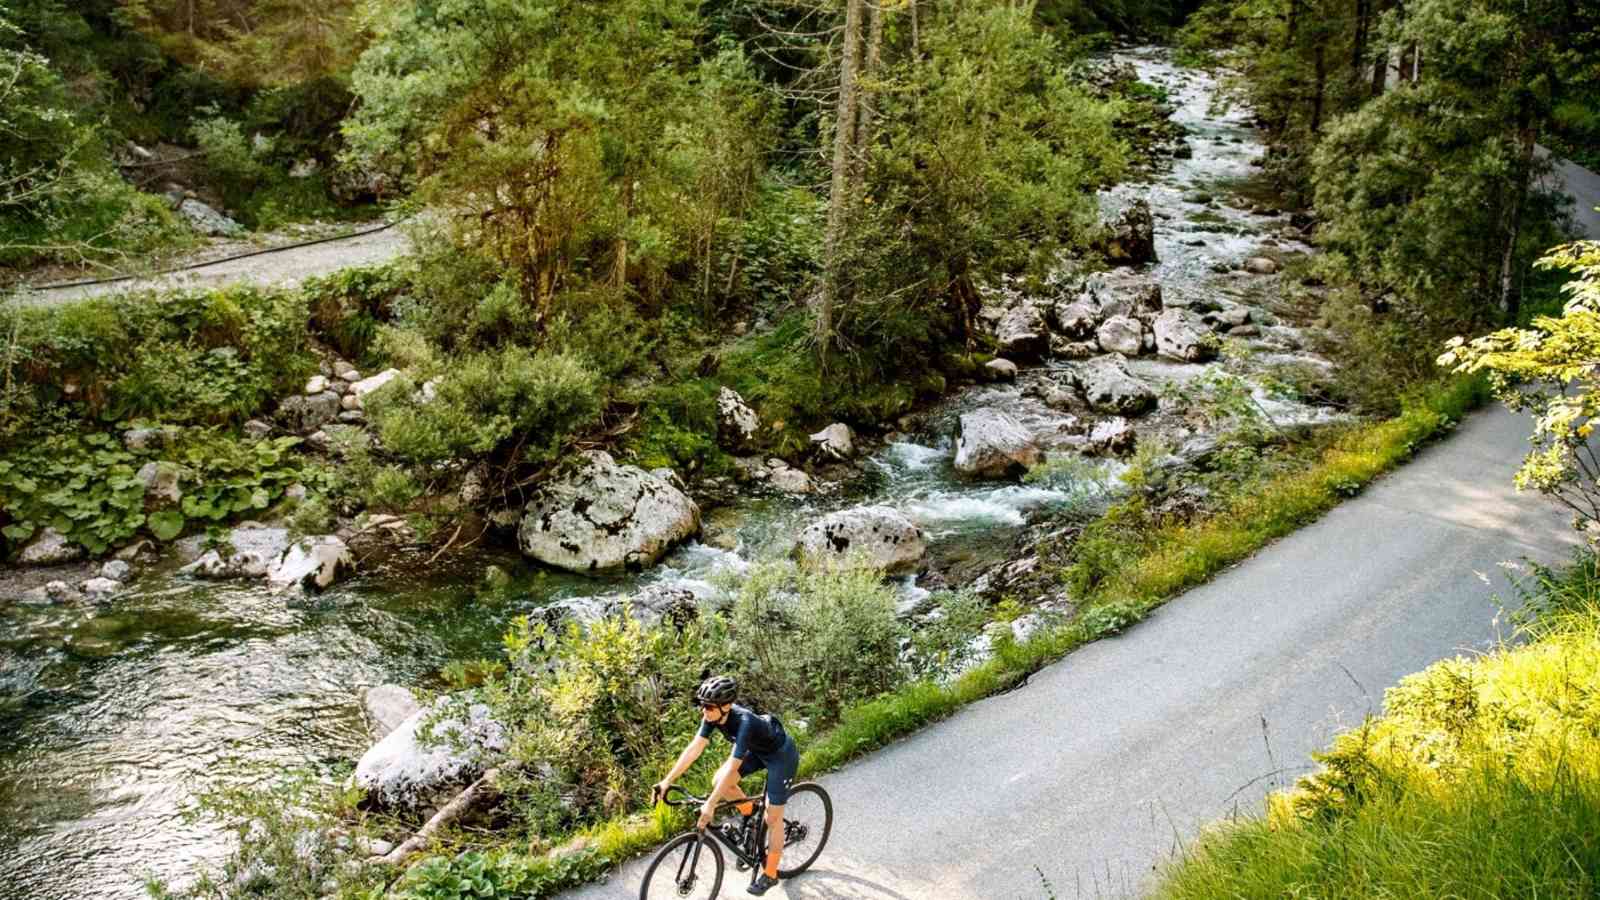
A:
(114, 718)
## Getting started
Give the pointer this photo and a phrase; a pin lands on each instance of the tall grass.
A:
(1481, 780)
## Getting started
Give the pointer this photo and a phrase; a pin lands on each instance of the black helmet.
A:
(716, 691)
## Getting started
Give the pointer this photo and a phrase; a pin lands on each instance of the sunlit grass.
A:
(1481, 780)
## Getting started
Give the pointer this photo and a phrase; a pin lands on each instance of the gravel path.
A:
(279, 268)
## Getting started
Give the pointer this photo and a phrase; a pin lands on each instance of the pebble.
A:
(316, 385)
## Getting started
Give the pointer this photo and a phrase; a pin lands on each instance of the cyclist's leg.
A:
(746, 766)
(781, 772)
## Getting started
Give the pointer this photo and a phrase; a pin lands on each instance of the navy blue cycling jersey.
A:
(750, 733)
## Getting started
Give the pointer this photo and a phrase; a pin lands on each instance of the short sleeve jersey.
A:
(750, 733)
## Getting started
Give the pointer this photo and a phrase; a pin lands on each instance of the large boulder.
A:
(161, 488)
(1022, 333)
(254, 550)
(1182, 335)
(313, 563)
(1130, 238)
(1124, 292)
(737, 423)
(388, 706)
(1107, 387)
(1075, 317)
(878, 536)
(596, 515)
(836, 441)
(50, 548)
(1121, 334)
(992, 444)
(305, 414)
(435, 750)
(208, 221)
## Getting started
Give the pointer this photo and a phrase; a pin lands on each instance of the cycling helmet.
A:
(716, 691)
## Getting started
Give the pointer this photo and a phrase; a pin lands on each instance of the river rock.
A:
(585, 611)
(1121, 334)
(877, 536)
(992, 444)
(50, 548)
(436, 749)
(1001, 369)
(256, 428)
(791, 481)
(388, 706)
(255, 549)
(1130, 238)
(836, 441)
(1108, 387)
(1125, 292)
(208, 221)
(139, 440)
(116, 570)
(1075, 318)
(1022, 333)
(62, 592)
(316, 384)
(304, 414)
(98, 589)
(360, 389)
(160, 484)
(1261, 265)
(1062, 347)
(597, 515)
(1111, 437)
(1181, 335)
(313, 563)
(665, 603)
(737, 423)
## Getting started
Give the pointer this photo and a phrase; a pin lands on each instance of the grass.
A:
(1481, 780)
(1172, 560)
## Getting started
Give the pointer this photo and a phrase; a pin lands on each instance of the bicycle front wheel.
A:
(689, 866)
(807, 822)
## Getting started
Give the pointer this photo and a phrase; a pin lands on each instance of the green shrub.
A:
(483, 401)
(84, 485)
(816, 641)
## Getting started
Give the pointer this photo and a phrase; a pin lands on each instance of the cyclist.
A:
(759, 742)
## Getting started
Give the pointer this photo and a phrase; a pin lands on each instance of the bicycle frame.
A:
(758, 814)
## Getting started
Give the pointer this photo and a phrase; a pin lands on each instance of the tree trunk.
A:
(844, 142)
(1358, 58)
(1510, 296)
(1294, 23)
(1320, 97)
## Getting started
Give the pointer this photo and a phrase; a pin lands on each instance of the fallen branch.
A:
(464, 801)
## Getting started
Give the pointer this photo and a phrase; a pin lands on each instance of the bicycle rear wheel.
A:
(678, 872)
(807, 822)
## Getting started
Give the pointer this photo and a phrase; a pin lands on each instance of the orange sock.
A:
(746, 808)
(772, 865)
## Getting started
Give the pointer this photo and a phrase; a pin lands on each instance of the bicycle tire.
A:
(683, 843)
(808, 789)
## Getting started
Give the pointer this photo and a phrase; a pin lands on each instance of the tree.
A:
(984, 163)
(1423, 191)
(1549, 369)
(550, 132)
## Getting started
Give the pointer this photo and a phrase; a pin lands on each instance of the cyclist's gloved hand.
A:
(706, 812)
(659, 792)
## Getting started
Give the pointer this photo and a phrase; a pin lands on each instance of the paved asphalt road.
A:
(1110, 760)
(1584, 187)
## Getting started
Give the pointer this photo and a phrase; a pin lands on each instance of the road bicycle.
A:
(691, 865)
